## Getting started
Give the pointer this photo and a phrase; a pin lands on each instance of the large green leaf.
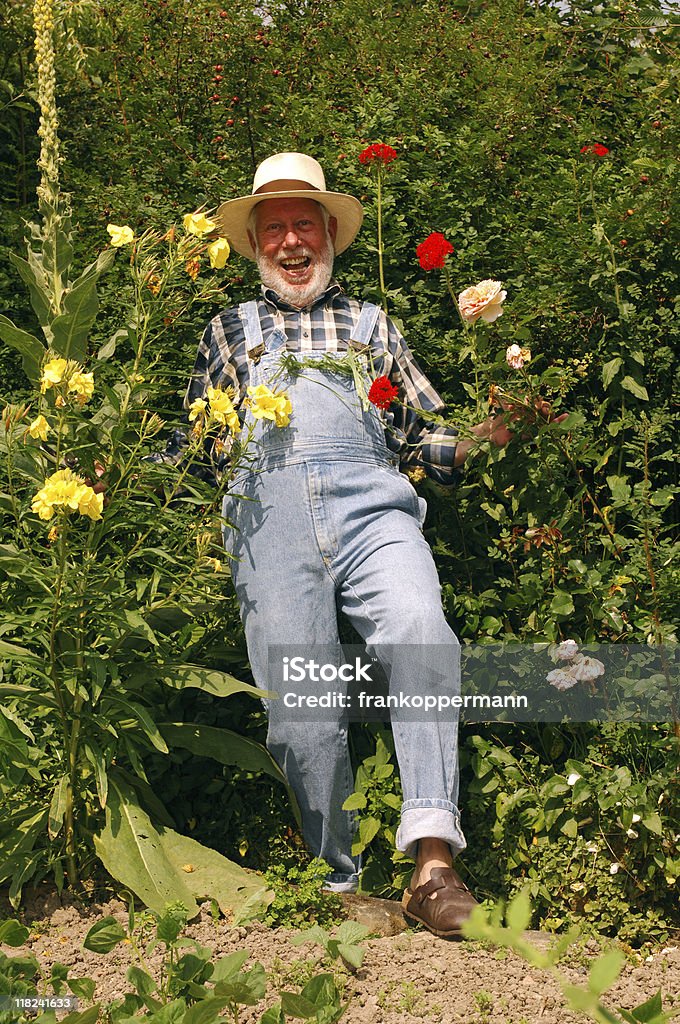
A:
(131, 851)
(220, 684)
(222, 745)
(72, 327)
(33, 275)
(162, 866)
(30, 348)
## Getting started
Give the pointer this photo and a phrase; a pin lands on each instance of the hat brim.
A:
(232, 216)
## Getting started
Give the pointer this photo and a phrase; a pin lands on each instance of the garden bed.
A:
(405, 977)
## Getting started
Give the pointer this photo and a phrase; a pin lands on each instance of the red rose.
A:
(598, 149)
(433, 251)
(378, 153)
(382, 393)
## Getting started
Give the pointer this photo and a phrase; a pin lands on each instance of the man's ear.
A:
(332, 228)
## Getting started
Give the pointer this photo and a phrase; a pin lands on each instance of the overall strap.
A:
(252, 329)
(362, 336)
(363, 332)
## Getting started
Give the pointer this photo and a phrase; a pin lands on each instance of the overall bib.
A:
(332, 525)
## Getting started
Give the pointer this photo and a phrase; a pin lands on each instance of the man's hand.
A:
(498, 428)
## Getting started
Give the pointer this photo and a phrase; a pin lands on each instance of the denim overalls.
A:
(332, 525)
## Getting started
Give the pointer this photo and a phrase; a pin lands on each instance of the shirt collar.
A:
(272, 299)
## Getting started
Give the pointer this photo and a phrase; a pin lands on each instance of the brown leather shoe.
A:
(444, 915)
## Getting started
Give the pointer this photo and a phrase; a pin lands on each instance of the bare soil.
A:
(405, 978)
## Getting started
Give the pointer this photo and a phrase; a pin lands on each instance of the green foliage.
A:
(193, 988)
(377, 803)
(568, 532)
(582, 820)
(299, 895)
(584, 1000)
(345, 944)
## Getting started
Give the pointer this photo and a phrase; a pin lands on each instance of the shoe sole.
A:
(439, 932)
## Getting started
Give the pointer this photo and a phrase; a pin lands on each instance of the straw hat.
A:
(282, 176)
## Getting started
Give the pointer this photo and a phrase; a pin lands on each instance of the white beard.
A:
(296, 295)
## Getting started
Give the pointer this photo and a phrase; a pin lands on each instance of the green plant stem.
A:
(470, 334)
(380, 242)
(69, 823)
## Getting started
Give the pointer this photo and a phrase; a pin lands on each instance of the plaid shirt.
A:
(326, 326)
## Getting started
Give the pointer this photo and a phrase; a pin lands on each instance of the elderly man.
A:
(332, 525)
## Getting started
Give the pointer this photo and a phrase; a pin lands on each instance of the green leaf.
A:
(227, 967)
(352, 932)
(648, 1011)
(71, 328)
(220, 684)
(89, 1016)
(131, 851)
(104, 935)
(518, 913)
(163, 867)
(33, 275)
(84, 988)
(353, 955)
(635, 389)
(294, 1005)
(570, 828)
(32, 350)
(605, 971)
(13, 933)
(274, 1015)
(222, 745)
(206, 1011)
(355, 802)
(619, 487)
(652, 822)
(562, 603)
(58, 807)
(610, 369)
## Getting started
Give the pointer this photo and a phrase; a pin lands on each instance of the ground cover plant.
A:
(535, 144)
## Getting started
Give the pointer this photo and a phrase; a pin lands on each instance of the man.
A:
(331, 524)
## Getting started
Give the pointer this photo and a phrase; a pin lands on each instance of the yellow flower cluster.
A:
(64, 371)
(269, 405)
(221, 410)
(66, 492)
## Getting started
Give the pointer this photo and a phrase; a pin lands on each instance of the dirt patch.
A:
(405, 978)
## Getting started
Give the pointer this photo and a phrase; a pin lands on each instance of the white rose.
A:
(567, 650)
(586, 669)
(573, 778)
(482, 300)
(561, 679)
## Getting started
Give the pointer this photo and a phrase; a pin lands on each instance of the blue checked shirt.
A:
(326, 326)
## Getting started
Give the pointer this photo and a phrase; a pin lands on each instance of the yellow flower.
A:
(39, 428)
(64, 490)
(222, 409)
(482, 300)
(81, 385)
(53, 534)
(53, 373)
(218, 252)
(214, 563)
(192, 268)
(198, 224)
(197, 408)
(90, 504)
(268, 405)
(120, 236)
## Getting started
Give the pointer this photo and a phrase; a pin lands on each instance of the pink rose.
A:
(482, 300)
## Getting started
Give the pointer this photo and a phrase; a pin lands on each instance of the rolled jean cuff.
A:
(435, 819)
(339, 882)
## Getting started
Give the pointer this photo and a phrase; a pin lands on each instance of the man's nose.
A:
(291, 240)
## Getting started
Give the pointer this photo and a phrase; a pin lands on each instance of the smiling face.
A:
(293, 248)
